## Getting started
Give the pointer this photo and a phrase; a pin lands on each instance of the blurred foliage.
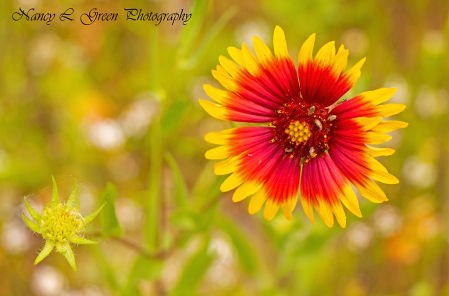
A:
(117, 102)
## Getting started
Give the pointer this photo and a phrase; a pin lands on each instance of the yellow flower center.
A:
(61, 223)
(298, 131)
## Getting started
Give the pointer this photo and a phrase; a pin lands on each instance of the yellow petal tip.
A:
(217, 111)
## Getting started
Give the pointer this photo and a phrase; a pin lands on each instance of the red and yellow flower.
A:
(314, 142)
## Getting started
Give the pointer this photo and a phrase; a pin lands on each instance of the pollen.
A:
(298, 132)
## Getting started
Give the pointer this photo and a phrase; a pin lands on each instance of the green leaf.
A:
(109, 221)
(314, 243)
(181, 189)
(154, 188)
(190, 33)
(49, 246)
(184, 219)
(33, 213)
(71, 200)
(55, 196)
(154, 60)
(193, 271)
(105, 268)
(87, 220)
(173, 116)
(207, 187)
(422, 288)
(31, 225)
(208, 214)
(144, 268)
(81, 240)
(207, 40)
(246, 253)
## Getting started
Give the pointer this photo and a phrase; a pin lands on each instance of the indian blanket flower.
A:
(60, 225)
(306, 137)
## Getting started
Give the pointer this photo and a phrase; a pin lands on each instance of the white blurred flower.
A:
(88, 201)
(387, 220)
(124, 167)
(430, 103)
(359, 237)
(396, 139)
(106, 134)
(44, 48)
(246, 31)
(15, 238)
(418, 173)
(402, 95)
(29, 4)
(129, 214)
(221, 249)
(171, 270)
(47, 281)
(355, 40)
(137, 117)
(73, 57)
(221, 273)
(92, 291)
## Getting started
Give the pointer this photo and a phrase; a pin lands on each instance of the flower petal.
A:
(248, 188)
(322, 80)
(324, 186)
(279, 44)
(237, 55)
(270, 210)
(263, 52)
(238, 140)
(359, 168)
(389, 126)
(257, 202)
(260, 86)
(376, 151)
(282, 187)
(367, 105)
(255, 157)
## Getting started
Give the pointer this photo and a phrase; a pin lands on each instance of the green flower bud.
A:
(60, 224)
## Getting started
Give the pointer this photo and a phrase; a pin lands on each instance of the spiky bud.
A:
(60, 224)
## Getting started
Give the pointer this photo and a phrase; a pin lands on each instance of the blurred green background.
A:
(117, 102)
